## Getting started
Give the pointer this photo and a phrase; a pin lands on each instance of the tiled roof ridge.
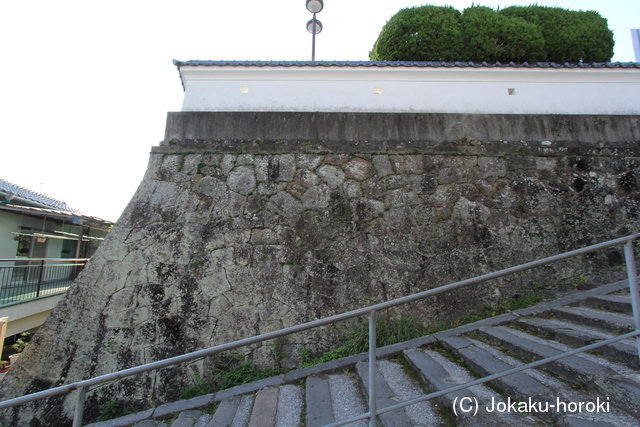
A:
(35, 196)
(59, 212)
(434, 64)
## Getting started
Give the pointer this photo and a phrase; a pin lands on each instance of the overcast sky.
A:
(85, 86)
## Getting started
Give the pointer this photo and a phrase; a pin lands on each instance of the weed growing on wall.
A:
(115, 408)
(388, 332)
(230, 371)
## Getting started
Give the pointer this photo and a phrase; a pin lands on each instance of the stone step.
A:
(346, 399)
(233, 411)
(278, 406)
(519, 385)
(393, 386)
(384, 397)
(290, 406)
(265, 408)
(594, 373)
(472, 406)
(621, 303)
(192, 418)
(226, 412)
(404, 388)
(614, 322)
(533, 386)
(318, 402)
(573, 368)
(577, 335)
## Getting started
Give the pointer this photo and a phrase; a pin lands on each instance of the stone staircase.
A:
(596, 389)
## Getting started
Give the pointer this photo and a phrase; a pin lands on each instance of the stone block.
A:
(244, 159)
(336, 159)
(191, 163)
(382, 165)
(546, 163)
(316, 197)
(331, 175)
(284, 204)
(407, 164)
(308, 161)
(307, 178)
(263, 236)
(466, 210)
(275, 168)
(172, 163)
(227, 163)
(453, 175)
(236, 236)
(242, 180)
(358, 169)
(491, 166)
(351, 189)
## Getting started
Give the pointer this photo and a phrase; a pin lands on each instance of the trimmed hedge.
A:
(492, 37)
(569, 35)
(422, 32)
(517, 33)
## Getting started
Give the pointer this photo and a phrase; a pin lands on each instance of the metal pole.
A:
(633, 287)
(40, 277)
(372, 368)
(80, 235)
(313, 39)
(77, 417)
(76, 270)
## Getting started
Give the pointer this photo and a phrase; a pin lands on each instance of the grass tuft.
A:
(230, 371)
(115, 408)
(387, 332)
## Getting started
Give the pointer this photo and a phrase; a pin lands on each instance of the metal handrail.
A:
(43, 259)
(82, 386)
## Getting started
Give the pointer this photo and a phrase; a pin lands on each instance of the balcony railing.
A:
(24, 279)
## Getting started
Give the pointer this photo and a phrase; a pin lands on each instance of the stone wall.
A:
(226, 239)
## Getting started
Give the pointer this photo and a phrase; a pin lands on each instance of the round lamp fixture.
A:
(314, 6)
(310, 26)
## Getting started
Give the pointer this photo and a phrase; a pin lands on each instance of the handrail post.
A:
(372, 368)
(633, 286)
(40, 277)
(79, 412)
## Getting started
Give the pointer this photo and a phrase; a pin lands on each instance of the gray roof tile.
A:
(25, 193)
(434, 64)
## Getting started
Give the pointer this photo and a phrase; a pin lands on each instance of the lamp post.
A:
(314, 26)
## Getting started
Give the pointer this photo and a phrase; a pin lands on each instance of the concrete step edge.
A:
(596, 318)
(621, 303)
(384, 397)
(576, 335)
(480, 397)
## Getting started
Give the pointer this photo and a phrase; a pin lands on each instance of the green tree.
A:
(517, 33)
(569, 35)
(492, 37)
(426, 33)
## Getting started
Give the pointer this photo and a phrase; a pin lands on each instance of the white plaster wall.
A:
(412, 89)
